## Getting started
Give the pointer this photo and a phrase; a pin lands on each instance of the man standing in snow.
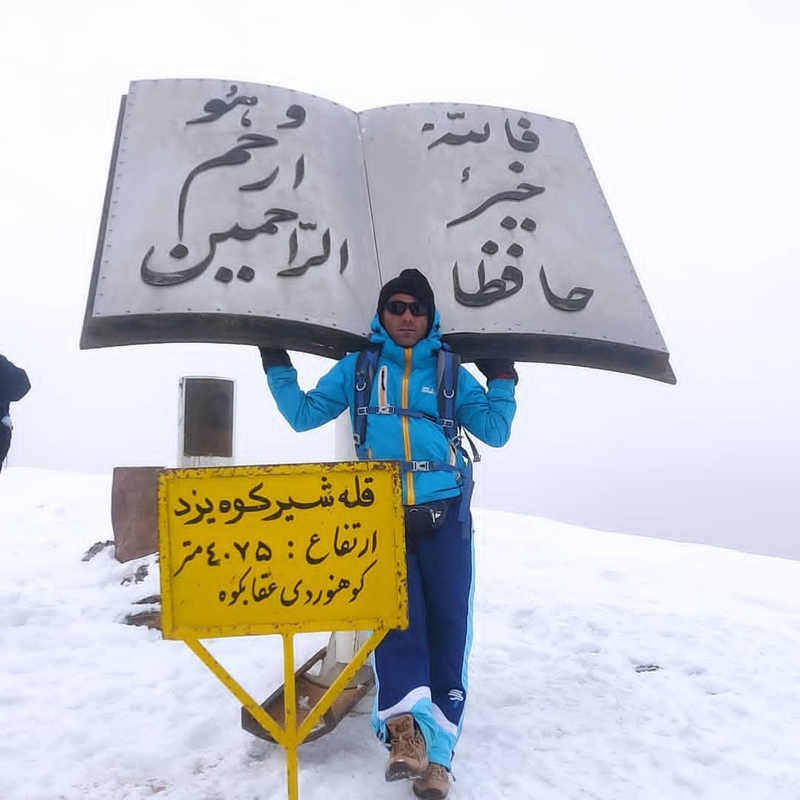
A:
(14, 385)
(421, 672)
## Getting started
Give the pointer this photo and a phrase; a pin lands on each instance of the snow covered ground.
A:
(604, 666)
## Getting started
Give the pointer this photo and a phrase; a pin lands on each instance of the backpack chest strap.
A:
(427, 466)
(404, 412)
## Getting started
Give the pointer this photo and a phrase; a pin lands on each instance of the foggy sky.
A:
(688, 115)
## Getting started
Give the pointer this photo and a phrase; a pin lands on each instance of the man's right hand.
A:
(273, 357)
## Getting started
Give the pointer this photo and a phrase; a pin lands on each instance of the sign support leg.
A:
(290, 714)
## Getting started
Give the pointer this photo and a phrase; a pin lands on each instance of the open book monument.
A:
(254, 214)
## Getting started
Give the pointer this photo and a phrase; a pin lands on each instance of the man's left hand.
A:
(497, 368)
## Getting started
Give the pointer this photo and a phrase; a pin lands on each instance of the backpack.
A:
(446, 386)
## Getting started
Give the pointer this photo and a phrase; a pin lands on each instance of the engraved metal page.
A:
(235, 200)
(503, 212)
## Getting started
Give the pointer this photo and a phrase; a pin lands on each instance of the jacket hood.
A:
(428, 345)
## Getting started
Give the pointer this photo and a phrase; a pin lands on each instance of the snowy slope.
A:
(91, 708)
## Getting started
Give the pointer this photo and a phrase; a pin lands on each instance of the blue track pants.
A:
(423, 669)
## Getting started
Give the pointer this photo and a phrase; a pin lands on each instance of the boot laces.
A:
(405, 743)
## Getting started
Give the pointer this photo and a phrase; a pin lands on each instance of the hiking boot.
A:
(408, 757)
(434, 785)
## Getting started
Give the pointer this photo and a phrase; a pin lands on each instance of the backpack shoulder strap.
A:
(449, 364)
(366, 364)
(446, 387)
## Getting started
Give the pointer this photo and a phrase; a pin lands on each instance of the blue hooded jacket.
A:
(404, 378)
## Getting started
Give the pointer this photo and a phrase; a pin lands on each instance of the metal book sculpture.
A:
(246, 213)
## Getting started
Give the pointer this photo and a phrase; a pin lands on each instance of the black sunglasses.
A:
(398, 308)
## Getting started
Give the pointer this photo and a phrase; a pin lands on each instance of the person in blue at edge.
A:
(421, 672)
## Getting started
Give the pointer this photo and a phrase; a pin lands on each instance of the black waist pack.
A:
(426, 518)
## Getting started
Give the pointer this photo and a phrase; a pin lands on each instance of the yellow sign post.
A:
(282, 549)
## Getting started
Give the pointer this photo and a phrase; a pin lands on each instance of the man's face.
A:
(405, 328)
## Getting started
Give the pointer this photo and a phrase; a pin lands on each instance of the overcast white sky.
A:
(688, 112)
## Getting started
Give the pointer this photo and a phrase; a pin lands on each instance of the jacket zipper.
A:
(404, 422)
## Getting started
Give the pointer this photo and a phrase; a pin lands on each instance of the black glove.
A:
(273, 357)
(497, 368)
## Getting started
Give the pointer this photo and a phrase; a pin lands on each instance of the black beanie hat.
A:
(413, 282)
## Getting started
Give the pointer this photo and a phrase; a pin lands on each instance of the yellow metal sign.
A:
(279, 549)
